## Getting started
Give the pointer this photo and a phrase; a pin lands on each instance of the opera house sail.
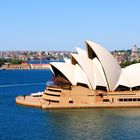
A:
(90, 78)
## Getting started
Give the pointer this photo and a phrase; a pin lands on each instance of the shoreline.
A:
(26, 69)
(80, 97)
(25, 66)
(38, 102)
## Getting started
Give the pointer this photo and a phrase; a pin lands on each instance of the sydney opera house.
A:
(90, 78)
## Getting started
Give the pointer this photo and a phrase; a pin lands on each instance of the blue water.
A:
(43, 61)
(25, 123)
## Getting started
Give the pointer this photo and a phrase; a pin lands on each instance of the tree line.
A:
(10, 61)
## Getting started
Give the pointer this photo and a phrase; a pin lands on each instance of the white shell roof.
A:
(110, 65)
(81, 51)
(72, 72)
(67, 69)
(67, 60)
(99, 74)
(130, 76)
(80, 76)
(101, 70)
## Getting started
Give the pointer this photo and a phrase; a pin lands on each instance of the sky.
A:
(65, 24)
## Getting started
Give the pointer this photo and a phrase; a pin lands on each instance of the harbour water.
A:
(24, 123)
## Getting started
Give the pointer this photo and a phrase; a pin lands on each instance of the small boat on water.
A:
(38, 94)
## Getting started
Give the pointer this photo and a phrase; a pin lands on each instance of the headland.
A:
(90, 79)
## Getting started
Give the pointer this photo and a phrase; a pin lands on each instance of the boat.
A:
(38, 94)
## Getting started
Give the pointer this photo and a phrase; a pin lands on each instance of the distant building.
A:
(39, 66)
(120, 56)
(16, 66)
(135, 51)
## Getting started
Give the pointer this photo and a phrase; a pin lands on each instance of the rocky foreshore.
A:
(24, 66)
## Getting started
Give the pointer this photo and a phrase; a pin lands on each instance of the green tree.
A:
(1, 62)
(16, 61)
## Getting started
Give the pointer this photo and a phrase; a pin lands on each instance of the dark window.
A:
(136, 88)
(130, 99)
(83, 85)
(54, 90)
(52, 94)
(105, 100)
(70, 101)
(101, 88)
(52, 101)
(122, 88)
(125, 100)
(101, 95)
(121, 100)
(112, 99)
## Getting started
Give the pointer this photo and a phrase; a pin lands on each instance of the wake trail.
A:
(25, 84)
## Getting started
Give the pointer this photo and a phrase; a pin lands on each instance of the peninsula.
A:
(90, 78)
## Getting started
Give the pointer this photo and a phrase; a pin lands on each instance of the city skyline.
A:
(63, 25)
